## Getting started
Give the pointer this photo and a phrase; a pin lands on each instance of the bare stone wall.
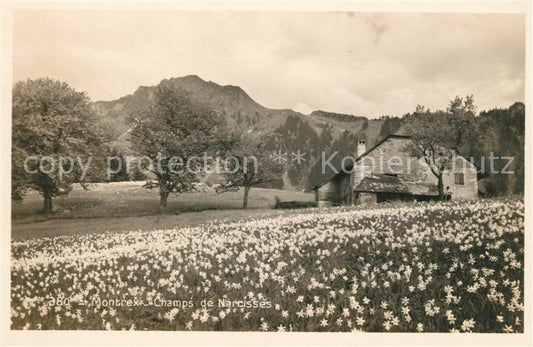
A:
(470, 188)
(366, 199)
(384, 160)
(392, 157)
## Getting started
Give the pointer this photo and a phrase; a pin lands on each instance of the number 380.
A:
(59, 301)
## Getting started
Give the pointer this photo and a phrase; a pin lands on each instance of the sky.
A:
(365, 64)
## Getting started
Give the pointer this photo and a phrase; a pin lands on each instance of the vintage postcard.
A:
(250, 173)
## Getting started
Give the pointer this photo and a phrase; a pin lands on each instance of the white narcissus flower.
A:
(269, 259)
(420, 327)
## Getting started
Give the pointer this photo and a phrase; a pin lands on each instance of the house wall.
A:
(470, 188)
(393, 157)
(337, 191)
(366, 198)
(329, 192)
(345, 189)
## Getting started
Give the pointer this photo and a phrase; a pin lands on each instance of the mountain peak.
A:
(142, 90)
(188, 79)
(194, 78)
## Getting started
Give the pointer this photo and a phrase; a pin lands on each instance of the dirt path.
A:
(77, 226)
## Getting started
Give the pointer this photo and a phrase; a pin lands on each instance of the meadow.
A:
(417, 267)
(125, 205)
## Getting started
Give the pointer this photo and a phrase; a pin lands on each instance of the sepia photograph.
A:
(266, 170)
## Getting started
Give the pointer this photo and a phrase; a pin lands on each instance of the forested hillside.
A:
(501, 131)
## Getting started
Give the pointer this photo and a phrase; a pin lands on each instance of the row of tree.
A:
(438, 137)
(51, 119)
(54, 121)
(495, 134)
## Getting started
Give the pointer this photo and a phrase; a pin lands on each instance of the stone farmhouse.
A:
(388, 171)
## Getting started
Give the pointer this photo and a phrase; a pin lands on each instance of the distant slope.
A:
(502, 136)
(287, 129)
(232, 102)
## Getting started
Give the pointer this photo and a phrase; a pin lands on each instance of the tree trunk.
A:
(163, 196)
(47, 206)
(440, 186)
(245, 199)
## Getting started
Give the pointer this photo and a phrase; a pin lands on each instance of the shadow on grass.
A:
(131, 200)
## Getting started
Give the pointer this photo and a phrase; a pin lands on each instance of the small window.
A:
(459, 178)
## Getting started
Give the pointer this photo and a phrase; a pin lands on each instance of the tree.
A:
(118, 167)
(249, 165)
(502, 137)
(439, 136)
(51, 119)
(175, 134)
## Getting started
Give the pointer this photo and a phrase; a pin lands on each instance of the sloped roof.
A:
(328, 176)
(394, 135)
(401, 131)
(382, 184)
(416, 188)
(392, 184)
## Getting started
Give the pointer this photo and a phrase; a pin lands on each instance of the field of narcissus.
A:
(417, 267)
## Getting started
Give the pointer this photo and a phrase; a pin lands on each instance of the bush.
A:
(294, 204)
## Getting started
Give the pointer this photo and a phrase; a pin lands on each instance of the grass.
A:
(128, 206)
(432, 267)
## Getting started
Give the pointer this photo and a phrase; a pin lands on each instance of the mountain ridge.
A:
(286, 129)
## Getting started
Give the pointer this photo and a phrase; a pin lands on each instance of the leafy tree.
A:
(51, 119)
(249, 165)
(136, 173)
(503, 133)
(118, 167)
(439, 136)
(389, 126)
(175, 133)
